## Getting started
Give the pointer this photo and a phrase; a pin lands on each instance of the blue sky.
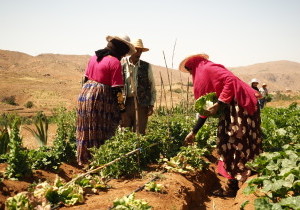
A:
(232, 32)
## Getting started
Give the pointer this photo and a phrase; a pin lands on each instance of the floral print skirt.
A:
(238, 140)
(98, 117)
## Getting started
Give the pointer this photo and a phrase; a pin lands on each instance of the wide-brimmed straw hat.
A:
(139, 44)
(182, 63)
(124, 39)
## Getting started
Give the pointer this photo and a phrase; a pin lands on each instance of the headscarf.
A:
(114, 48)
(210, 77)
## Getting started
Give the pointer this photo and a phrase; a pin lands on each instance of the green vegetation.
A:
(189, 159)
(277, 184)
(28, 104)
(154, 187)
(18, 162)
(41, 125)
(129, 202)
(9, 100)
(280, 126)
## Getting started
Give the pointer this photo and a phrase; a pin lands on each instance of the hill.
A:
(279, 75)
(52, 80)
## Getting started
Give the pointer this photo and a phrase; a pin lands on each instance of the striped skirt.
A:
(98, 117)
(238, 140)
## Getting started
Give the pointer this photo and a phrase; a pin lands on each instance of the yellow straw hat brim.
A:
(183, 62)
(132, 49)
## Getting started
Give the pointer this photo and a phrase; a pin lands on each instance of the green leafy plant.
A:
(278, 181)
(122, 143)
(129, 202)
(169, 131)
(18, 163)
(280, 126)
(19, 201)
(207, 135)
(95, 182)
(154, 187)
(42, 195)
(65, 141)
(41, 125)
(203, 103)
(44, 157)
(189, 159)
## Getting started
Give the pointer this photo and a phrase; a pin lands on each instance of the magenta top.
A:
(210, 77)
(108, 71)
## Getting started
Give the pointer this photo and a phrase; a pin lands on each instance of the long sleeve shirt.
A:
(130, 68)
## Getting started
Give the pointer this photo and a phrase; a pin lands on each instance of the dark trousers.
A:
(129, 119)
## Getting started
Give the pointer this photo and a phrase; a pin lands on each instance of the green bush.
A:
(29, 104)
(9, 100)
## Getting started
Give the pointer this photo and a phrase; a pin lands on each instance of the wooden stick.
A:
(170, 83)
(161, 90)
(187, 95)
(137, 126)
(162, 82)
(173, 52)
(103, 166)
(108, 164)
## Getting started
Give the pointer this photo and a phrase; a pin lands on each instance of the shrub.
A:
(9, 100)
(29, 104)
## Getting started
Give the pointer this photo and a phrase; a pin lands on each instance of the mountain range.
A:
(49, 80)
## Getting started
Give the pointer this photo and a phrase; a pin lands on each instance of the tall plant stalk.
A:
(187, 95)
(170, 82)
(162, 82)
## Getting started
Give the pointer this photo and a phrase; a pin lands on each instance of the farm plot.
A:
(164, 174)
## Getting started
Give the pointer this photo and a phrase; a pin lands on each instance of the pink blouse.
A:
(108, 71)
(210, 77)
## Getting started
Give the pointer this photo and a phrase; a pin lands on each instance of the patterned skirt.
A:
(98, 117)
(238, 140)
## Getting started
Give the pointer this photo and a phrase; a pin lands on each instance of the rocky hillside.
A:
(49, 80)
(279, 75)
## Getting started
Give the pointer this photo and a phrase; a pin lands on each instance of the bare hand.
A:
(150, 110)
(213, 109)
(189, 139)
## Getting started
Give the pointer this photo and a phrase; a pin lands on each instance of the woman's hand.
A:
(189, 139)
(213, 109)
(150, 110)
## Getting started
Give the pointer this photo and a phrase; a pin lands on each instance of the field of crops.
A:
(276, 186)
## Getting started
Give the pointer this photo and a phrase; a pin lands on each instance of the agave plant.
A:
(41, 129)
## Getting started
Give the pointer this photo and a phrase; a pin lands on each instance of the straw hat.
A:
(254, 80)
(264, 84)
(139, 44)
(182, 64)
(124, 39)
